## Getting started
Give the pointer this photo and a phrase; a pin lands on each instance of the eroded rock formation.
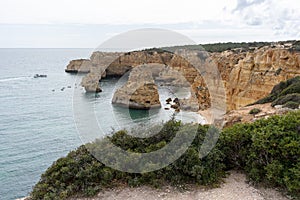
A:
(246, 75)
(252, 75)
(177, 63)
(140, 91)
(95, 67)
(80, 65)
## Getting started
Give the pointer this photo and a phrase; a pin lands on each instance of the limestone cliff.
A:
(246, 75)
(173, 61)
(100, 61)
(140, 91)
(95, 67)
(252, 75)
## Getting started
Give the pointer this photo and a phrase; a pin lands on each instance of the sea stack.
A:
(140, 91)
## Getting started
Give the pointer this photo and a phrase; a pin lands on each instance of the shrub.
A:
(291, 105)
(79, 173)
(254, 111)
(295, 97)
(268, 150)
(296, 47)
(235, 142)
(219, 47)
(279, 91)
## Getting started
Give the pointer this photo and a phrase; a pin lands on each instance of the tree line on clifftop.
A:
(220, 47)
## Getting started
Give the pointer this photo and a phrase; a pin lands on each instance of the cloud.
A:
(108, 11)
(241, 4)
(69, 23)
(283, 17)
(254, 21)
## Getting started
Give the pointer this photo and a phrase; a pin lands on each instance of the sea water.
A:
(37, 119)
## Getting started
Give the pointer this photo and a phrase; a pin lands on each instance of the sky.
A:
(88, 23)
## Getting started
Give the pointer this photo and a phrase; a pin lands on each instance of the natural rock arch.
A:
(241, 73)
(127, 61)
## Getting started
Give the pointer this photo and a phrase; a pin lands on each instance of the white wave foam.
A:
(14, 78)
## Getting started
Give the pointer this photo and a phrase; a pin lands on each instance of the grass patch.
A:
(254, 111)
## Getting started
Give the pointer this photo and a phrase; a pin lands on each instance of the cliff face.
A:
(252, 75)
(98, 63)
(247, 76)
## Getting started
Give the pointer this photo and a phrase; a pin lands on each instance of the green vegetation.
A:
(267, 150)
(254, 111)
(296, 46)
(81, 173)
(285, 93)
(219, 47)
(246, 46)
(291, 105)
(294, 97)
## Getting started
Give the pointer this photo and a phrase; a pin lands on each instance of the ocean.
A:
(36, 114)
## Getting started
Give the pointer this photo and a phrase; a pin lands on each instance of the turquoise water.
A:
(36, 116)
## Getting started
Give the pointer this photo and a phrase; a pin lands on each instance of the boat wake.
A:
(14, 78)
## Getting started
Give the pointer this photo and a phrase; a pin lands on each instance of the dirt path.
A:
(234, 188)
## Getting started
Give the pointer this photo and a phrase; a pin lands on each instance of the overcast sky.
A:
(87, 23)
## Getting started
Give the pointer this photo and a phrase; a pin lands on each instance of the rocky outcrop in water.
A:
(179, 71)
(140, 91)
(80, 65)
(95, 67)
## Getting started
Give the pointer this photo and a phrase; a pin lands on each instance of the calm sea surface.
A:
(36, 115)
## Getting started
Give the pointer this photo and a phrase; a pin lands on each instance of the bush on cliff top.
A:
(291, 105)
(81, 173)
(219, 47)
(295, 97)
(254, 111)
(268, 150)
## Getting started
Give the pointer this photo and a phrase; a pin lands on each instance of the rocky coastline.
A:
(262, 139)
(242, 72)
